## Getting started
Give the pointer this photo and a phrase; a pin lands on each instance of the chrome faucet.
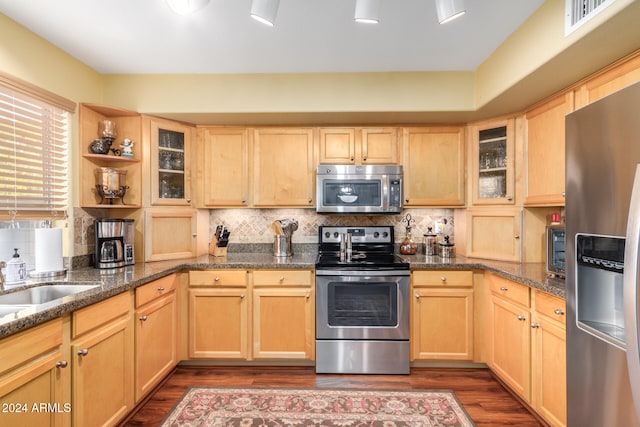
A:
(2, 265)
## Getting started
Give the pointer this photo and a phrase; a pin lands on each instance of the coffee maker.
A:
(114, 243)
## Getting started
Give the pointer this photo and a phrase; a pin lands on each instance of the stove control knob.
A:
(385, 234)
(376, 234)
(336, 234)
(327, 234)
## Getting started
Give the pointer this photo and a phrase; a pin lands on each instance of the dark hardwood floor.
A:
(486, 401)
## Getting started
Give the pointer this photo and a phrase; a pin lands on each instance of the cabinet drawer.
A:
(25, 346)
(155, 289)
(98, 314)
(282, 277)
(218, 278)
(512, 291)
(550, 306)
(440, 278)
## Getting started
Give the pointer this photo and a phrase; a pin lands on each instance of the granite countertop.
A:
(112, 282)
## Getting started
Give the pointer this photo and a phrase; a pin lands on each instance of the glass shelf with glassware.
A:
(494, 168)
(170, 152)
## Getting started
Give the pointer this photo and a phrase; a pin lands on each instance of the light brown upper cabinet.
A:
(350, 146)
(493, 163)
(545, 151)
(223, 167)
(169, 162)
(284, 167)
(613, 78)
(433, 162)
(128, 125)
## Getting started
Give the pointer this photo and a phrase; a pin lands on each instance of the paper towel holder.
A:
(47, 274)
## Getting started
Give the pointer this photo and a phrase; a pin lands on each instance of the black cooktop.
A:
(361, 260)
(373, 249)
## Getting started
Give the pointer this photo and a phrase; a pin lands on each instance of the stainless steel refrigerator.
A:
(603, 224)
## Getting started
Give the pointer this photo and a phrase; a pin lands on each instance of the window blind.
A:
(34, 139)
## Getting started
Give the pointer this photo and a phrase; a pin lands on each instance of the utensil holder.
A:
(282, 246)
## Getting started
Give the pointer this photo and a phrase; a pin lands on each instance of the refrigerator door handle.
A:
(631, 315)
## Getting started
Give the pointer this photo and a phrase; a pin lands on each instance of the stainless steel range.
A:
(362, 302)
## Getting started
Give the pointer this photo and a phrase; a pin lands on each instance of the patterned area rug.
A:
(245, 407)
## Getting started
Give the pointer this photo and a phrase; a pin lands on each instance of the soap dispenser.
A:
(16, 271)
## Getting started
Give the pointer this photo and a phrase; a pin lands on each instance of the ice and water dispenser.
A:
(599, 290)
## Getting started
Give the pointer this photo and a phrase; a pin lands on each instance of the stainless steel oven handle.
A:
(361, 273)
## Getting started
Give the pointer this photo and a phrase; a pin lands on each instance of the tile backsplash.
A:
(252, 225)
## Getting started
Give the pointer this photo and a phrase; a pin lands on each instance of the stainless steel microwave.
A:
(359, 189)
(555, 250)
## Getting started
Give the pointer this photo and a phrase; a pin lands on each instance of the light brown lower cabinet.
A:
(549, 355)
(35, 377)
(527, 338)
(283, 314)
(218, 313)
(262, 314)
(102, 361)
(156, 333)
(442, 315)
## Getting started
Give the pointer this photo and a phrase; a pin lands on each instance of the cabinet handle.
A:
(307, 296)
(510, 198)
(558, 311)
(143, 318)
(504, 288)
(522, 317)
(406, 200)
(364, 158)
(160, 289)
(517, 236)
(241, 296)
(564, 194)
(310, 201)
(281, 279)
(83, 352)
(535, 325)
(352, 158)
(443, 278)
(194, 234)
(188, 200)
(244, 201)
(216, 279)
(61, 364)
(417, 296)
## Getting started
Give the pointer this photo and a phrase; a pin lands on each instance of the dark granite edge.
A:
(131, 277)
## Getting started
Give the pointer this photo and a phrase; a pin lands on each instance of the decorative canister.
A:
(430, 242)
(111, 183)
(447, 249)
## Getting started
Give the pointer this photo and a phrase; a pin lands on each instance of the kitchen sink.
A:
(12, 308)
(41, 295)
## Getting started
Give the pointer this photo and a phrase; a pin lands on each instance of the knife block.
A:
(215, 250)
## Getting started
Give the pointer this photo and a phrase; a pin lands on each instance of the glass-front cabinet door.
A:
(170, 163)
(493, 163)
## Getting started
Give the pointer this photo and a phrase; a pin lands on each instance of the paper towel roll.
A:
(48, 250)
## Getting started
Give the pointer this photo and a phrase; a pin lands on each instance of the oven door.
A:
(362, 305)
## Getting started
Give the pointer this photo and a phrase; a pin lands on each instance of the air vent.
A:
(577, 12)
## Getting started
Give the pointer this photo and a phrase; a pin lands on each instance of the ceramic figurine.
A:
(127, 148)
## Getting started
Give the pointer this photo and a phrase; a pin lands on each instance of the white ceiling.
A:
(145, 36)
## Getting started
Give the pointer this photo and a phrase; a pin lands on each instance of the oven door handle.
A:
(361, 273)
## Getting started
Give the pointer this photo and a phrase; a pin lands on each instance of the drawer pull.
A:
(216, 279)
(241, 296)
(443, 278)
(307, 296)
(535, 325)
(417, 296)
(83, 352)
(143, 318)
(160, 289)
(504, 288)
(522, 317)
(281, 279)
(559, 311)
(62, 364)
